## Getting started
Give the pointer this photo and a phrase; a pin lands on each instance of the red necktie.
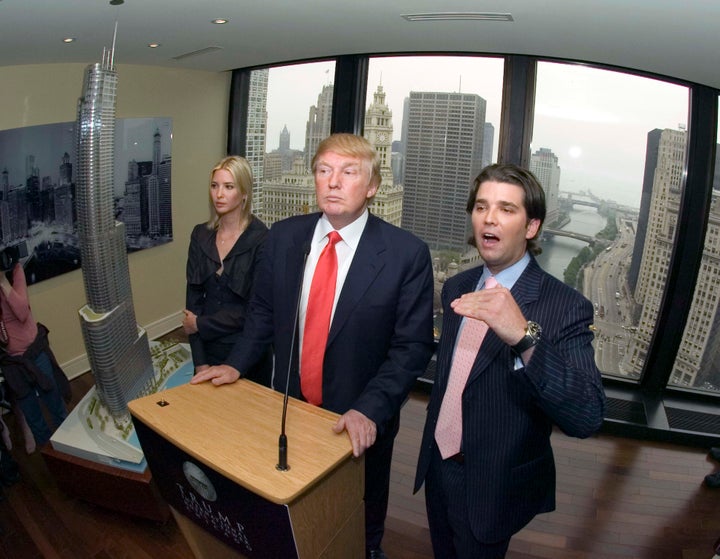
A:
(317, 321)
(448, 431)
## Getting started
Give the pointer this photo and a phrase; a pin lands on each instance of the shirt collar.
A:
(508, 276)
(350, 233)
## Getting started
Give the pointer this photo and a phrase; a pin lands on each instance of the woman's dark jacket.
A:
(220, 302)
(23, 375)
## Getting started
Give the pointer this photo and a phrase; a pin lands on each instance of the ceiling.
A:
(666, 37)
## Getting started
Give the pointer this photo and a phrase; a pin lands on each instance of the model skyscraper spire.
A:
(117, 347)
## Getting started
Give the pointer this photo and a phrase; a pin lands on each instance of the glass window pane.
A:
(289, 112)
(435, 120)
(697, 364)
(609, 149)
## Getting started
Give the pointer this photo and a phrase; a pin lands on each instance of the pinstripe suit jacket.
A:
(508, 414)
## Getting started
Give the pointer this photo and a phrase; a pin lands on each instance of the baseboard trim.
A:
(81, 364)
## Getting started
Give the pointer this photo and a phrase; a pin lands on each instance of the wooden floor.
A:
(617, 498)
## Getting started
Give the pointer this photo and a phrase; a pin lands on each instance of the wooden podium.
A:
(213, 453)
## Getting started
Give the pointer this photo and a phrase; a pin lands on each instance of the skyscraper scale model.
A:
(117, 347)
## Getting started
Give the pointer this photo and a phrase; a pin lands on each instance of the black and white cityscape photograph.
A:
(38, 215)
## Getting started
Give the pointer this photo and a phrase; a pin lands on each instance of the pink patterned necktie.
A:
(448, 431)
(317, 321)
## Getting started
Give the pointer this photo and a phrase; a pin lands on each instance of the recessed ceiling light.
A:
(219, 20)
(69, 40)
(153, 45)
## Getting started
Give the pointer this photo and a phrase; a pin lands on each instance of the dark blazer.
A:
(508, 414)
(220, 303)
(381, 336)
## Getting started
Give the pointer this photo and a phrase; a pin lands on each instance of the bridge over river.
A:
(579, 236)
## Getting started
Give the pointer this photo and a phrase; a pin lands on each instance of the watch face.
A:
(534, 329)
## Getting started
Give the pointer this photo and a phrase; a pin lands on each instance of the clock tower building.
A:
(387, 203)
(378, 131)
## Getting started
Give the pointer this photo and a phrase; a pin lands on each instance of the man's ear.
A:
(533, 227)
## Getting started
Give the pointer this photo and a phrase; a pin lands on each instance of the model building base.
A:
(90, 433)
(97, 458)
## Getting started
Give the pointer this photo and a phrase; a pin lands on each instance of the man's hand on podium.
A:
(219, 374)
(361, 430)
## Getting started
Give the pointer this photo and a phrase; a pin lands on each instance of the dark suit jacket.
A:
(508, 414)
(220, 306)
(381, 336)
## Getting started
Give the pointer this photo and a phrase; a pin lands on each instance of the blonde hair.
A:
(351, 145)
(242, 175)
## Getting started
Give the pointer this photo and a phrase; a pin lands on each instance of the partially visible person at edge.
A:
(221, 265)
(32, 374)
(534, 369)
(380, 334)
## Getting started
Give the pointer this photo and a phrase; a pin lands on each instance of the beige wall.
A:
(197, 103)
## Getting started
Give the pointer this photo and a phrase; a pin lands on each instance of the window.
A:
(628, 201)
(292, 107)
(697, 364)
(609, 149)
(440, 118)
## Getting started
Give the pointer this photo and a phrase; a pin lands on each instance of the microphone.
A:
(282, 464)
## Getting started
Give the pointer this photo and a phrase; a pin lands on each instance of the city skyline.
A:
(48, 142)
(40, 209)
(626, 318)
(580, 113)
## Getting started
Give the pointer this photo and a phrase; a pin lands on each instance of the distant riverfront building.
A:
(544, 165)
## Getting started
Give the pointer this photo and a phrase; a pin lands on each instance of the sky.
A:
(595, 121)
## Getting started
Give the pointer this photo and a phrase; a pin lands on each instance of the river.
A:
(559, 251)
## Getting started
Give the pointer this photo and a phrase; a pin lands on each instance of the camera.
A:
(11, 255)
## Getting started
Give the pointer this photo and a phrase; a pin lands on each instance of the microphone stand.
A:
(282, 464)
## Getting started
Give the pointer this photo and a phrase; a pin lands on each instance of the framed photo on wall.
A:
(38, 219)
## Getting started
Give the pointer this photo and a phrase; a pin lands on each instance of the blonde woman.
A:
(222, 259)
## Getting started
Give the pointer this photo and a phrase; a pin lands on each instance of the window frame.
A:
(515, 134)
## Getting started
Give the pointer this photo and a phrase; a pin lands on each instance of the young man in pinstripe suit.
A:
(535, 369)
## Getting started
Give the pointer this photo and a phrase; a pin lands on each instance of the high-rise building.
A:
(443, 154)
(708, 284)
(662, 213)
(544, 165)
(488, 143)
(379, 132)
(63, 208)
(284, 156)
(117, 347)
(163, 173)
(651, 161)
(292, 194)
(256, 135)
(273, 169)
(318, 124)
(284, 145)
(387, 203)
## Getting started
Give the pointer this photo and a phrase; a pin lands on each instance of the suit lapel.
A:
(369, 259)
(295, 260)
(525, 291)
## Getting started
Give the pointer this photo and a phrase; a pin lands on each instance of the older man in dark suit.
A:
(360, 356)
(513, 360)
